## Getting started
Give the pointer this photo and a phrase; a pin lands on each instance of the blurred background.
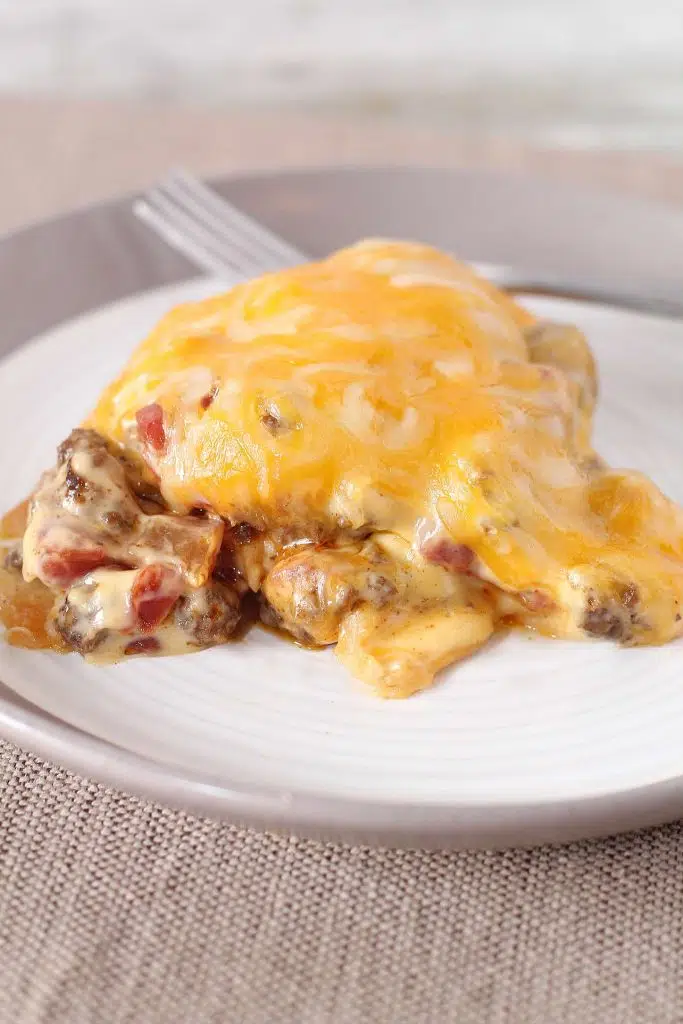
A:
(579, 73)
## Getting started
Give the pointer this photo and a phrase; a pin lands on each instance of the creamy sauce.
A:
(24, 607)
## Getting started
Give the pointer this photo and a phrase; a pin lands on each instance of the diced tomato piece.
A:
(143, 645)
(154, 592)
(206, 400)
(150, 420)
(62, 568)
(449, 554)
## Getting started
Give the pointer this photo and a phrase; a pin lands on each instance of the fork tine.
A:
(179, 240)
(231, 239)
(215, 210)
(230, 233)
(211, 232)
(185, 232)
(233, 250)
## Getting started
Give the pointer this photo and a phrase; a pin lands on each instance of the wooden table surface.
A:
(59, 154)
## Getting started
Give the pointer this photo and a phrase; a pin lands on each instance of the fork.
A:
(223, 241)
(211, 232)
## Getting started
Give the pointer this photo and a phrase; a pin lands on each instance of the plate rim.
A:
(338, 819)
(373, 822)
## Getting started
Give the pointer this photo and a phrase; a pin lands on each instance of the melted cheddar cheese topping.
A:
(390, 406)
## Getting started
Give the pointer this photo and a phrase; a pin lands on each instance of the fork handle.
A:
(523, 283)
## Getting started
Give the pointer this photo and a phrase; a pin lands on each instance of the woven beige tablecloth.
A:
(113, 910)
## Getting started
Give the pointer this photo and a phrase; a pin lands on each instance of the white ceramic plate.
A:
(530, 740)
